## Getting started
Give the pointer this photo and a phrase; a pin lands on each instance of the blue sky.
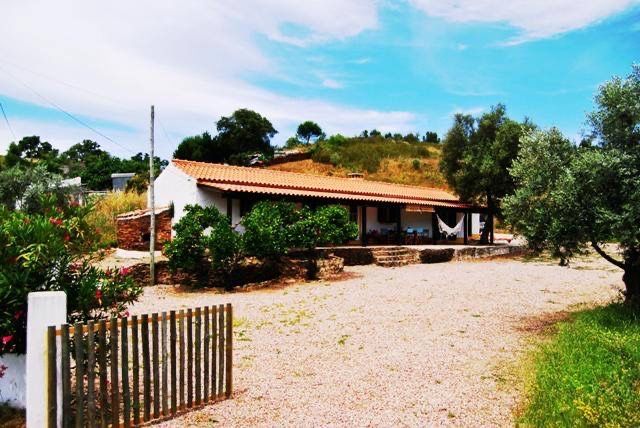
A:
(404, 66)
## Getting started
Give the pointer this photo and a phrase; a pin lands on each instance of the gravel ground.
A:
(420, 345)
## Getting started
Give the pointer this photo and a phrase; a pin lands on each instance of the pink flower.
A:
(7, 339)
(98, 294)
(124, 271)
(126, 313)
(18, 315)
(55, 221)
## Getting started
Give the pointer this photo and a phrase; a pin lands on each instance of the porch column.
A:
(363, 226)
(465, 227)
(399, 227)
(434, 227)
(230, 209)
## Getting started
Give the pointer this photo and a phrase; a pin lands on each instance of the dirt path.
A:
(412, 346)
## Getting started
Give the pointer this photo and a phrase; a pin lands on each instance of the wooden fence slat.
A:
(172, 341)
(91, 365)
(165, 366)
(229, 353)
(136, 370)
(78, 340)
(102, 359)
(198, 343)
(66, 376)
(52, 378)
(115, 390)
(189, 358)
(206, 337)
(146, 368)
(126, 398)
(220, 350)
(181, 328)
(214, 352)
(156, 365)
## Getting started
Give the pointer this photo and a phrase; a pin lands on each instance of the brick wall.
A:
(133, 229)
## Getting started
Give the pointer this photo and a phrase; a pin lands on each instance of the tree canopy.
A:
(476, 156)
(569, 198)
(309, 130)
(30, 151)
(240, 136)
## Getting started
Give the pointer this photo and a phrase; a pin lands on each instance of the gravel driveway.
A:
(411, 346)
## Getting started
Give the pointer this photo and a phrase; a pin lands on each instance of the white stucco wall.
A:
(13, 384)
(475, 223)
(173, 185)
(417, 221)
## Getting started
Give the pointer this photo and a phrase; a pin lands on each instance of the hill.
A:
(378, 158)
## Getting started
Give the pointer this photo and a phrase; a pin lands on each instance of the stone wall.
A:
(249, 271)
(133, 229)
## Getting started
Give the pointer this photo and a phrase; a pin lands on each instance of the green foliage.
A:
(204, 241)
(309, 130)
(416, 164)
(615, 121)
(24, 188)
(271, 229)
(365, 153)
(95, 166)
(477, 153)
(327, 225)
(591, 195)
(543, 158)
(588, 374)
(30, 151)
(44, 251)
(267, 229)
(240, 135)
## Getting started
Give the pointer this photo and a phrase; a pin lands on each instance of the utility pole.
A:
(152, 226)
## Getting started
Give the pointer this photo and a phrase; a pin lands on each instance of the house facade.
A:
(386, 213)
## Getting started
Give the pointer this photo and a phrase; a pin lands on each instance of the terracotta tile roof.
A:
(267, 181)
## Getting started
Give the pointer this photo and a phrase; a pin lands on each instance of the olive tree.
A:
(573, 199)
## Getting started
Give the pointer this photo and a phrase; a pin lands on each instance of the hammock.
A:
(444, 228)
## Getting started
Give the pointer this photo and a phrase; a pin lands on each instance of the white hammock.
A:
(444, 228)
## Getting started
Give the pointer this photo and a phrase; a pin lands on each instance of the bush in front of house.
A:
(268, 231)
(43, 251)
(204, 241)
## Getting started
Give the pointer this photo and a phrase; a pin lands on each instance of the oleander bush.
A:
(45, 251)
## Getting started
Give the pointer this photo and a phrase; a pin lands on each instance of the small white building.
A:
(386, 213)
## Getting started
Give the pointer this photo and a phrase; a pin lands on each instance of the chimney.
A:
(356, 176)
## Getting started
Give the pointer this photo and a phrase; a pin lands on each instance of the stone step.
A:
(407, 257)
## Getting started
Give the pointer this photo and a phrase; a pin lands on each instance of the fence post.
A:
(45, 308)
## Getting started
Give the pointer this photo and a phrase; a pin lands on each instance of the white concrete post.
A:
(44, 308)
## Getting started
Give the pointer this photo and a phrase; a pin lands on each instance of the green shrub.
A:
(327, 225)
(267, 229)
(416, 164)
(44, 252)
(204, 242)
(588, 374)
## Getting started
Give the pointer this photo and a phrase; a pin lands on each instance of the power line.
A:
(8, 124)
(57, 107)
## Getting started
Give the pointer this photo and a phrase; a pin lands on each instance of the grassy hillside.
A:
(381, 159)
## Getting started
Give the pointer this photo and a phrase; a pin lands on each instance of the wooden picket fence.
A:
(105, 387)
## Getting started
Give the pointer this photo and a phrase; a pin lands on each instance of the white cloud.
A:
(332, 84)
(537, 19)
(111, 60)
